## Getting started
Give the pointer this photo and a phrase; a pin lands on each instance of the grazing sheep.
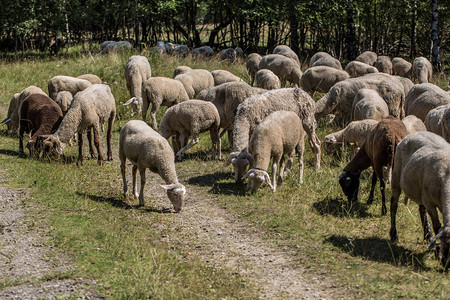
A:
(222, 76)
(114, 47)
(13, 116)
(401, 67)
(195, 80)
(146, 149)
(328, 61)
(137, 71)
(377, 151)
(180, 70)
(285, 68)
(383, 64)
(317, 56)
(369, 105)
(424, 97)
(252, 65)
(181, 50)
(266, 79)
(159, 48)
(228, 55)
(407, 84)
(435, 121)
(340, 97)
(321, 78)
(239, 53)
(253, 111)
(354, 134)
(422, 171)
(39, 115)
(281, 133)
(190, 118)
(356, 69)
(286, 51)
(367, 57)
(203, 52)
(157, 91)
(446, 125)
(93, 79)
(413, 124)
(90, 108)
(422, 69)
(63, 99)
(66, 83)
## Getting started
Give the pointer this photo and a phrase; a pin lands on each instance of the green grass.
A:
(91, 222)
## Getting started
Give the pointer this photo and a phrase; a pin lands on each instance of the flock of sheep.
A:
(398, 128)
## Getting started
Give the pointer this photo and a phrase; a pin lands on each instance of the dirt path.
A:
(28, 266)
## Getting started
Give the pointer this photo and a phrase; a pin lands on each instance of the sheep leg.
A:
(144, 109)
(274, 174)
(91, 147)
(80, 149)
(108, 136)
(300, 164)
(175, 142)
(133, 174)
(434, 219)
(383, 197)
(155, 107)
(394, 206)
(282, 171)
(123, 167)
(216, 141)
(372, 189)
(97, 146)
(141, 193)
(425, 223)
(313, 142)
(21, 132)
(193, 142)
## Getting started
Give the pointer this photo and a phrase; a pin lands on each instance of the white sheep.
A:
(195, 80)
(63, 99)
(137, 71)
(252, 65)
(356, 69)
(369, 105)
(280, 134)
(146, 149)
(93, 79)
(266, 79)
(328, 61)
(190, 118)
(354, 134)
(317, 56)
(422, 69)
(424, 97)
(157, 91)
(422, 171)
(383, 64)
(401, 67)
(321, 78)
(285, 68)
(413, 124)
(436, 122)
(180, 70)
(406, 82)
(203, 52)
(90, 108)
(222, 76)
(367, 57)
(66, 83)
(286, 51)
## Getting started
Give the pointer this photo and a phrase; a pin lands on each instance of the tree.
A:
(434, 36)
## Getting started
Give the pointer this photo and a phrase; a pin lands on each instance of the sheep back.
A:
(285, 68)
(424, 97)
(321, 78)
(357, 68)
(383, 64)
(367, 57)
(66, 83)
(401, 67)
(195, 80)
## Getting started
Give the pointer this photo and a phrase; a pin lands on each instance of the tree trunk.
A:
(412, 53)
(434, 37)
(293, 20)
(351, 35)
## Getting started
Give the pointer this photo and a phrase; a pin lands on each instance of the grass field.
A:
(132, 260)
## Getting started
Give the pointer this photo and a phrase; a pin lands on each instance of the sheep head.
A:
(175, 192)
(330, 143)
(240, 161)
(444, 247)
(256, 178)
(53, 144)
(350, 185)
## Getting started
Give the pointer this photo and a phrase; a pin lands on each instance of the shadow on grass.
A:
(200, 155)
(339, 207)
(13, 153)
(379, 250)
(217, 184)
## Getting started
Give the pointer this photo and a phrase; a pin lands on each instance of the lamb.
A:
(281, 133)
(159, 91)
(356, 69)
(422, 171)
(367, 57)
(195, 80)
(266, 79)
(328, 61)
(422, 69)
(435, 121)
(39, 115)
(285, 68)
(145, 148)
(137, 71)
(354, 134)
(203, 52)
(252, 65)
(318, 56)
(222, 76)
(93, 79)
(369, 105)
(401, 67)
(190, 118)
(424, 97)
(321, 78)
(89, 109)
(180, 70)
(377, 151)
(383, 64)
(340, 97)
(413, 124)
(13, 116)
(253, 111)
(286, 51)
(66, 83)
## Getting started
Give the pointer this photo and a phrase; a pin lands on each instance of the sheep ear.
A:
(230, 158)
(438, 236)
(249, 173)
(130, 101)
(267, 179)
(166, 187)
